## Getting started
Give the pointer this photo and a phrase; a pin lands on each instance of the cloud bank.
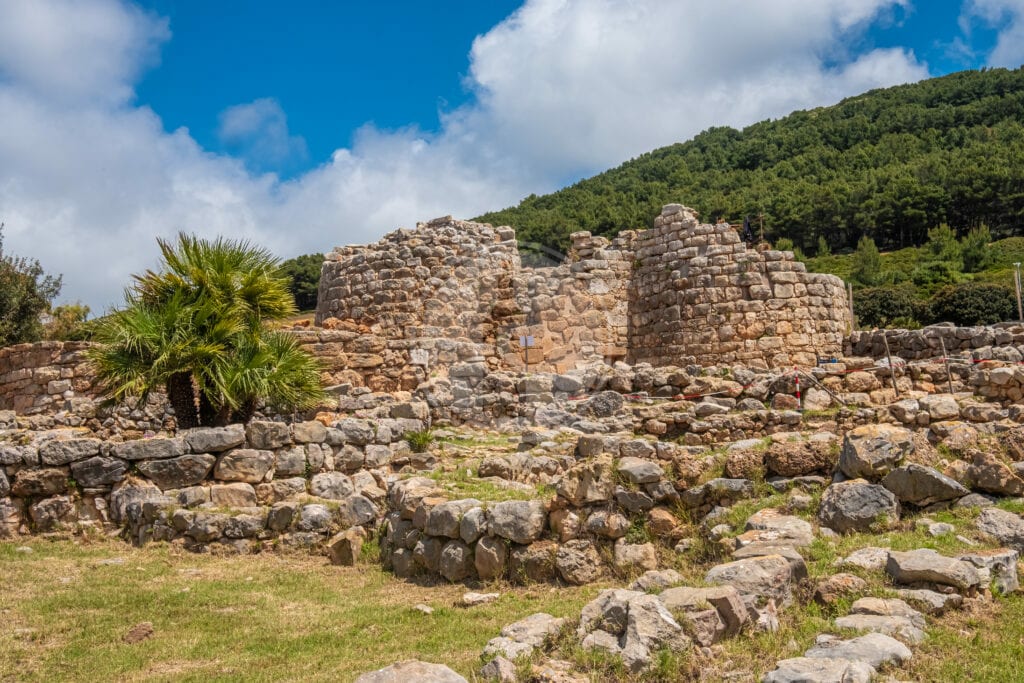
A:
(561, 88)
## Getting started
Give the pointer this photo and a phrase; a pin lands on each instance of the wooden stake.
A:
(892, 370)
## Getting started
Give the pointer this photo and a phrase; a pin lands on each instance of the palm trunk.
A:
(182, 398)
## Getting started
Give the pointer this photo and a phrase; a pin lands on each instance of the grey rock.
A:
(456, 561)
(655, 580)
(207, 526)
(473, 524)
(870, 451)
(521, 521)
(638, 471)
(931, 601)
(54, 513)
(578, 562)
(927, 566)
(331, 485)
(490, 558)
(5, 486)
(523, 636)
(133, 490)
(726, 600)
(873, 649)
(856, 505)
(870, 558)
(757, 579)
(1006, 527)
(819, 670)
(214, 439)
(157, 448)
(588, 482)
(175, 473)
(98, 471)
(445, 519)
(265, 435)
(607, 524)
(244, 464)
(921, 486)
(62, 452)
(898, 627)
(356, 510)
(245, 525)
(499, 669)
(280, 516)
(649, 628)
(355, 432)
(412, 670)
(604, 404)
(997, 568)
(940, 407)
(290, 462)
(314, 517)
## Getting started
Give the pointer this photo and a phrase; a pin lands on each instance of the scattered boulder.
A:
(757, 579)
(522, 637)
(1006, 527)
(987, 473)
(998, 568)
(921, 486)
(873, 649)
(870, 451)
(856, 505)
(831, 589)
(819, 670)
(925, 565)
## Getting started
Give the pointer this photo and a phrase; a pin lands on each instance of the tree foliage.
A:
(69, 322)
(890, 163)
(197, 329)
(25, 294)
(303, 273)
(973, 304)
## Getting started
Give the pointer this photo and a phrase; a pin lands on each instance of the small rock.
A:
(928, 566)
(425, 609)
(870, 558)
(873, 649)
(831, 589)
(412, 670)
(474, 599)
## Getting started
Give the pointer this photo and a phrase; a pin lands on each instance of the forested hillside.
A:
(888, 164)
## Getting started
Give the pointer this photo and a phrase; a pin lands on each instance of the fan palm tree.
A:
(196, 329)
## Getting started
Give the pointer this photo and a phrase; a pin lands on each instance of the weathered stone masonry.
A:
(680, 291)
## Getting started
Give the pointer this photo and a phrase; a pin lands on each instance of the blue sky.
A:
(306, 125)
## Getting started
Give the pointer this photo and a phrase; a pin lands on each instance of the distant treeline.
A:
(889, 164)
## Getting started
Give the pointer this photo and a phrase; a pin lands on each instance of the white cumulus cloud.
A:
(1009, 14)
(88, 178)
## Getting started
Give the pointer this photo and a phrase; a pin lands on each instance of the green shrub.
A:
(420, 441)
(973, 303)
(883, 306)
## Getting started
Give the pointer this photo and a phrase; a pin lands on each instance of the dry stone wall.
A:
(680, 292)
(698, 291)
(35, 378)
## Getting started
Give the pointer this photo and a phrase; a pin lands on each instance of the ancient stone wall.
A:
(1000, 342)
(698, 291)
(678, 291)
(34, 378)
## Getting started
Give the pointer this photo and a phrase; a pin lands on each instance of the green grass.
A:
(464, 483)
(261, 618)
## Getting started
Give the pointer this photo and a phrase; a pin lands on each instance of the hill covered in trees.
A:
(889, 164)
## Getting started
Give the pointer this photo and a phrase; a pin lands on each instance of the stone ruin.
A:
(680, 292)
